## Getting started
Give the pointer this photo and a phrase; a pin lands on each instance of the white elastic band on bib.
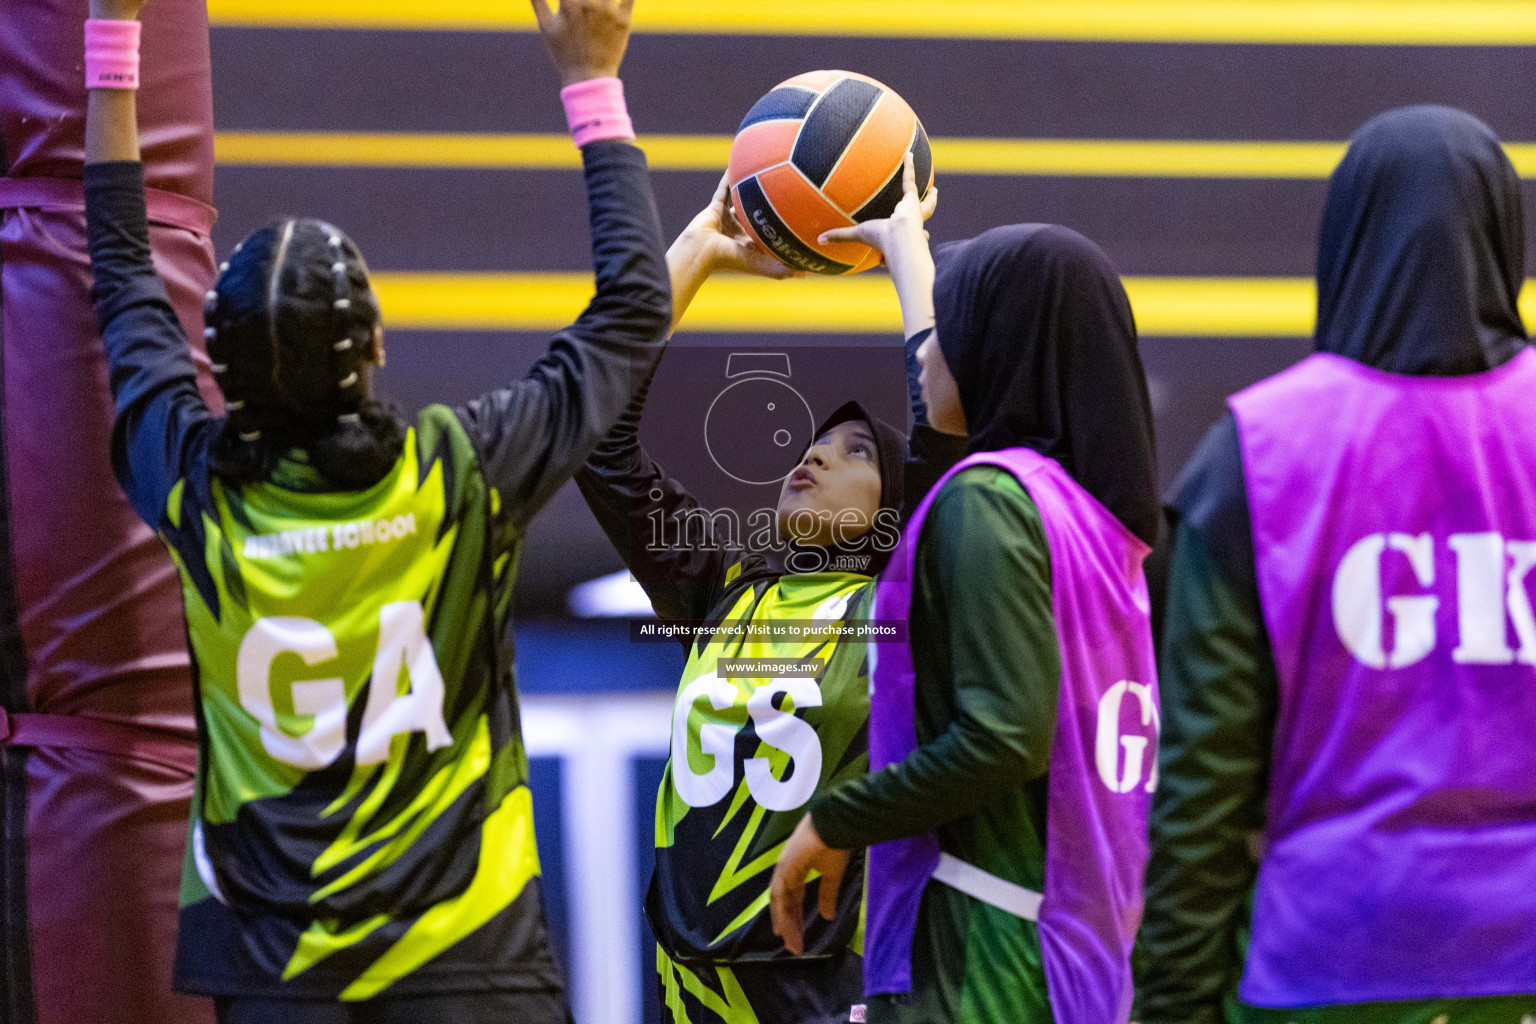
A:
(987, 887)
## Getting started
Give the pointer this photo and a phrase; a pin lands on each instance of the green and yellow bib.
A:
(748, 753)
(362, 822)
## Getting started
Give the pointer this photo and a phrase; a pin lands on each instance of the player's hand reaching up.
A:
(803, 854)
(900, 237)
(904, 243)
(586, 38)
(712, 243)
(724, 247)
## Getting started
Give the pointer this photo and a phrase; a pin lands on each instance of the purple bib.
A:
(1102, 766)
(1394, 527)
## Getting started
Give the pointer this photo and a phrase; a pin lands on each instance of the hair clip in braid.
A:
(254, 435)
(219, 367)
(349, 417)
(343, 307)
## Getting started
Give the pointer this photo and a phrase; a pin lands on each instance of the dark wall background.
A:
(534, 220)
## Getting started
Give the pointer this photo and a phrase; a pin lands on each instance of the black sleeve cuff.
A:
(114, 196)
(612, 152)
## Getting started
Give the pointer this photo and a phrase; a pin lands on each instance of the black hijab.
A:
(891, 455)
(1038, 332)
(1421, 255)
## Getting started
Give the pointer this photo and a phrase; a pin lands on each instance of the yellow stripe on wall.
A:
(1165, 306)
(483, 151)
(1369, 22)
(1127, 158)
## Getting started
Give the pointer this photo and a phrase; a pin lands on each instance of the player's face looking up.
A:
(940, 392)
(832, 496)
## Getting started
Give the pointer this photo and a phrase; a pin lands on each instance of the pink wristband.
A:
(596, 111)
(111, 54)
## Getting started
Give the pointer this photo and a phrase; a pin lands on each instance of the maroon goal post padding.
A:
(98, 731)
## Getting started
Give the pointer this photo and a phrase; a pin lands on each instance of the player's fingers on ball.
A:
(930, 202)
(720, 203)
(764, 266)
(542, 14)
(908, 175)
(770, 266)
(853, 234)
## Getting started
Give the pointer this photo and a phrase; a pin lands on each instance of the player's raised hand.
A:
(585, 38)
(724, 247)
(804, 853)
(900, 236)
(904, 243)
(712, 243)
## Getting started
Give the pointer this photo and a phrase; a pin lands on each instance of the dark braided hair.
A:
(289, 327)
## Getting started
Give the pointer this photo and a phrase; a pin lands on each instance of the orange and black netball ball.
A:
(824, 150)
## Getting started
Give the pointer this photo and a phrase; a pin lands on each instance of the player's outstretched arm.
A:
(533, 435)
(625, 489)
(154, 383)
(682, 571)
(903, 241)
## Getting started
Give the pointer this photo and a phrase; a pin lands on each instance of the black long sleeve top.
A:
(530, 435)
